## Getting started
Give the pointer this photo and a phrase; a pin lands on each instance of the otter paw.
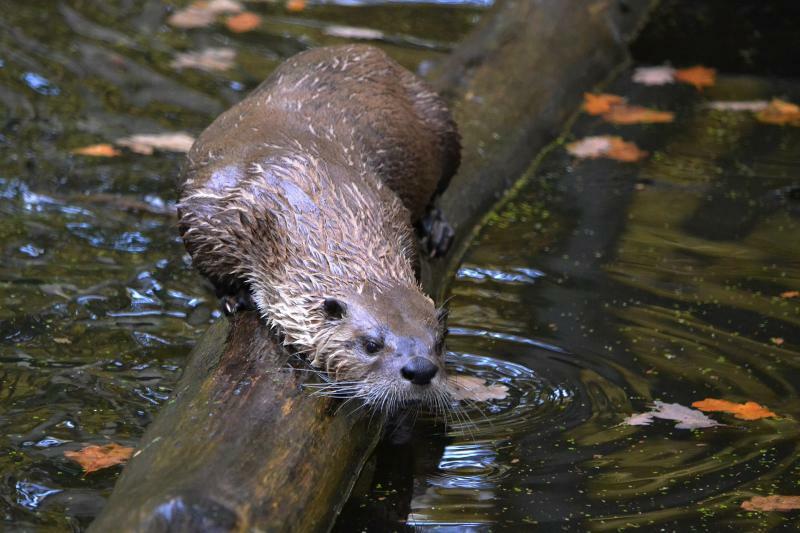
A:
(436, 233)
(233, 303)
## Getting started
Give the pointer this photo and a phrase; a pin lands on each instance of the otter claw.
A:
(437, 234)
(233, 303)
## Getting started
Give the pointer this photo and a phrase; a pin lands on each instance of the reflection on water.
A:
(98, 305)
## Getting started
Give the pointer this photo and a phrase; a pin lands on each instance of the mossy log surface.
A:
(241, 446)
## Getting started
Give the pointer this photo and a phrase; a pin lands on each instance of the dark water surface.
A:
(597, 289)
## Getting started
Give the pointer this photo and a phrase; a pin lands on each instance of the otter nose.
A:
(419, 371)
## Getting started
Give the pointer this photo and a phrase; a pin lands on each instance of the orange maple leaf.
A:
(295, 6)
(625, 151)
(780, 112)
(790, 294)
(597, 104)
(97, 150)
(634, 114)
(772, 503)
(698, 76)
(742, 411)
(243, 22)
(94, 457)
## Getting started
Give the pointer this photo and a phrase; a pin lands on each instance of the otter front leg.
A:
(435, 233)
(239, 301)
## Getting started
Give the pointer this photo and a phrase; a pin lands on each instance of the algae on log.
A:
(240, 445)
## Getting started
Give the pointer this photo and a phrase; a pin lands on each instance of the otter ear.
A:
(334, 309)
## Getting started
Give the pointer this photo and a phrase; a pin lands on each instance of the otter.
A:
(302, 199)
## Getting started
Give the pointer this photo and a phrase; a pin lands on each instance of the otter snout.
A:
(419, 371)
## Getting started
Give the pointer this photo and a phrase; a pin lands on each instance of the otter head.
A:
(385, 346)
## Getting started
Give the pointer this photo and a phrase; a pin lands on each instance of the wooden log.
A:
(240, 445)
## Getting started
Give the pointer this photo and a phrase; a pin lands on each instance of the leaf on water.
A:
(208, 59)
(146, 144)
(775, 502)
(201, 13)
(352, 32)
(295, 6)
(608, 146)
(685, 417)
(243, 22)
(749, 105)
(463, 387)
(742, 411)
(698, 76)
(777, 341)
(95, 457)
(780, 112)
(790, 294)
(97, 150)
(597, 104)
(634, 114)
(654, 75)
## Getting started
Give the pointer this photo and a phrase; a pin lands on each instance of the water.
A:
(598, 288)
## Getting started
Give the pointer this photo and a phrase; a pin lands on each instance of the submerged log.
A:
(240, 445)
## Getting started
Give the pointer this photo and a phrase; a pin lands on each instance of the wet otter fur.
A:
(303, 196)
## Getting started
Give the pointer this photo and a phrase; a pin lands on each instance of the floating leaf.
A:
(685, 417)
(698, 76)
(749, 105)
(208, 59)
(742, 411)
(608, 146)
(97, 150)
(95, 457)
(295, 6)
(790, 294)
(474, 388)
(200, 14)
(352, 32)
(146, 144)
(777, 341)
(243, 22)
(654, 75)
(597, 104)
(625, 114)
(772, 503)
(780, 112)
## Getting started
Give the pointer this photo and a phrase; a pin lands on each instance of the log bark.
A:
(241, 446)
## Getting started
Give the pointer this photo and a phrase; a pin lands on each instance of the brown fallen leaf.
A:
(243, 22)
(790, 294)
(780, 112)
(352, 32)
(97, 150)
(146, 144)
(775, 502)
(698, 76)
(777, 341)
(634, 114)
(654, 75)
(463, 387)
(742, 411)
(686, 418)
(295, 6)
(95, 457)
(598, 104)
(608, 146)
(208, 59)
(203, 13)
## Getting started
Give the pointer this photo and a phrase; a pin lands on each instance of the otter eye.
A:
(334, 309)
(372, 346)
